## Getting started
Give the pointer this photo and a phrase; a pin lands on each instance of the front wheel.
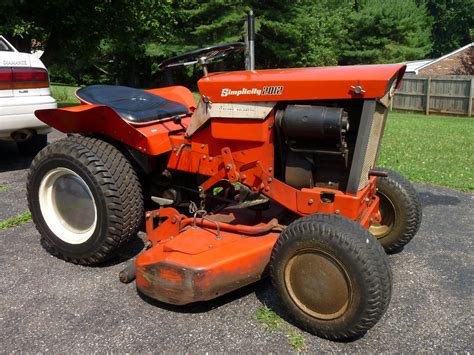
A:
(400, 212)
(332, 276)
(85, 199)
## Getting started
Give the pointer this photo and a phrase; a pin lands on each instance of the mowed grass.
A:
(64, 94)
(430, 149)
(25, 217)
(273, 322)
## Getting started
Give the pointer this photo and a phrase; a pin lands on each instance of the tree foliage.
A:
(453, 26)
(92, 38)
(121, 41)
(382, 31)
(301, 33)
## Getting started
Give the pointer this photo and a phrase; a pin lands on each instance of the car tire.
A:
(33, 145)
(332, 276)
(400, 210)
(85, 198)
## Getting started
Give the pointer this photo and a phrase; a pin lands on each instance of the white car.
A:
(24, 88)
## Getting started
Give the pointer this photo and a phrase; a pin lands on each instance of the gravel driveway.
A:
(47, 304)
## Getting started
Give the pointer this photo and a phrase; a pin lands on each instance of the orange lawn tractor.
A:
(271, 172)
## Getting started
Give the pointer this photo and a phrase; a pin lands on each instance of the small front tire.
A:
(332, 276)
(400, 211)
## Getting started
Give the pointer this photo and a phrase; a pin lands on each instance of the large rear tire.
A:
(85, 199)
(400, 210)
(332, 276)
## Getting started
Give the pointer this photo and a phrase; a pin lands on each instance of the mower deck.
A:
(201, 264)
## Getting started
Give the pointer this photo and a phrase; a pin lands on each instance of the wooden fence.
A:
(436, 94)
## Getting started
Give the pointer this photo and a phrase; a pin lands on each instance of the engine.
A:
(317, 143)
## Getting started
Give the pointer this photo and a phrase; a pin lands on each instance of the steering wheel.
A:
(203, 56)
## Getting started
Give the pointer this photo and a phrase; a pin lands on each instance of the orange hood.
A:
(301, 83)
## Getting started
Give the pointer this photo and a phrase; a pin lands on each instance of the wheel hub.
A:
(318, 284)
(67, 205)
(388, 215)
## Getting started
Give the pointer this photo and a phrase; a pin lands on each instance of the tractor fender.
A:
(152, 139)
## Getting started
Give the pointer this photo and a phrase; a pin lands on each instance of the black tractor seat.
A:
(134, 105)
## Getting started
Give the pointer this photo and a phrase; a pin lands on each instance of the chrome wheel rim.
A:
(67, 205)
(318, 284)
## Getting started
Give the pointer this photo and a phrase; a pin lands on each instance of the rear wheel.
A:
(400, 212)
(33, 145)
(332, 276)
(85, 199)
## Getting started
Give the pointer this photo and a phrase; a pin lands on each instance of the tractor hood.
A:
(345, 82)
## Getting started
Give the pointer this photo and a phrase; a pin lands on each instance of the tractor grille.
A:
(372, 147)
(370, 133)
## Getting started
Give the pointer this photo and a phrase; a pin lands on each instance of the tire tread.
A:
(370, 255)
(116, 179)
(412, 208)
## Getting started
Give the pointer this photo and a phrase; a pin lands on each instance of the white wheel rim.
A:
(68, 206)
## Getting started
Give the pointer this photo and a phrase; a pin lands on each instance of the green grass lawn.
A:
(430, 149)
(64, 94)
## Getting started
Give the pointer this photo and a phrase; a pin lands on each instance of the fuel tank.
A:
(342, 82)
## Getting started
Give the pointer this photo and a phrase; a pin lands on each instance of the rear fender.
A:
(98, 119)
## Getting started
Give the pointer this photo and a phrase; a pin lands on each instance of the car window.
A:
(4, 47)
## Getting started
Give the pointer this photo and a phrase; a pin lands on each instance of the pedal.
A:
(162, 201)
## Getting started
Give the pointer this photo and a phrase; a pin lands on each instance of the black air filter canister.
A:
(314, 122)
